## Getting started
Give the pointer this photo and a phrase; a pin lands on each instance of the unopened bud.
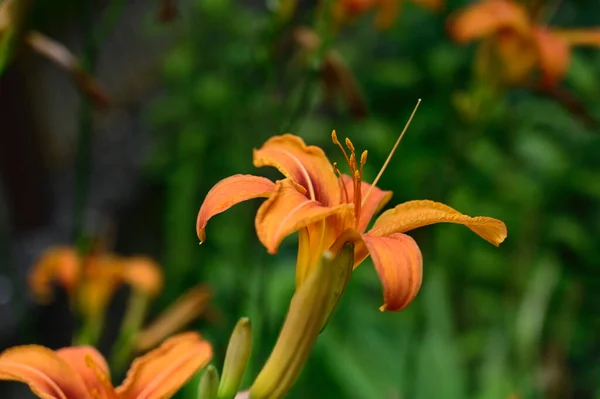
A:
(209, 383)
(309, 309)
(236, 359)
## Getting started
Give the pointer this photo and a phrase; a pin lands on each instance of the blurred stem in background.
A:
(93, 37)
(130, 326)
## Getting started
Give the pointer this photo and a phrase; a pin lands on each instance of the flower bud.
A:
(236, 359)
(209, 383)
(309, 309)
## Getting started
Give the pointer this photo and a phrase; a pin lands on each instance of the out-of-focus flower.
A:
(330, 210)
(60, 265)
(336, 78)
(82, 373)
(92, 280)
(177, 316)
(515, 47)
(387, 11)
(308, 310)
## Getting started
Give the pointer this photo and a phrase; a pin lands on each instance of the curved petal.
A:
(59, 264)
(307, 166)
(399, 264)
(163, 371)
(579, 37)
(228, 192)
(48, 376)
(143, 274)
(91, 367)
(488, 17)
(288, 210)
(375, 201)
(554, 55)
(413, 214)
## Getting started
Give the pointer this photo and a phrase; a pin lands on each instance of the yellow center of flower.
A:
(356, 170)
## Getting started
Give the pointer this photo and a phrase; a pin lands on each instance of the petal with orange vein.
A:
(376, 200)
(288, 210)
(228, 192)
(307, 166)
(554, 55)
(163, 371)
(413, 214)
(399, 264)
(143, 274)
(91, 367)
(579, 37)
(48, 376)
(487, 17)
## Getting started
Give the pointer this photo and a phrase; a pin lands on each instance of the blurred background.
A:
(166, 98)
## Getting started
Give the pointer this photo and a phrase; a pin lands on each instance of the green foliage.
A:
(489, 321)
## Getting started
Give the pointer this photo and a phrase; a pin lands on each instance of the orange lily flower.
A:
(82, 373)
(94, 279)
(387, 10)
(521, 45)
(330, 210)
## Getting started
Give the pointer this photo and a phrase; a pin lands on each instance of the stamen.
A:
(337, 171)
(350, 145)
(357, 196)
(387, 161)
(363, 161)
(337, 142)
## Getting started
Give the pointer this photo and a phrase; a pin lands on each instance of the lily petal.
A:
(555, 55)
(288, 210)
(161, 372)
(143, 274)
(413, 214)
(579, 37)
(228, 192)
(307, 166)
(48, 376)
(376, 200)
(91, 367)
(61, 264)
(399, 264)
(487, 17)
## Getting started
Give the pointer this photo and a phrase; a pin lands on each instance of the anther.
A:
(337, 142)
(349, 145)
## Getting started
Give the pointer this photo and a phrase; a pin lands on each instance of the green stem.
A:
(132, 323)
(89, 333)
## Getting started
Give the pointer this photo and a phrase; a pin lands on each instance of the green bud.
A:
(209, 383)
(236, 359)
(309, 309)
